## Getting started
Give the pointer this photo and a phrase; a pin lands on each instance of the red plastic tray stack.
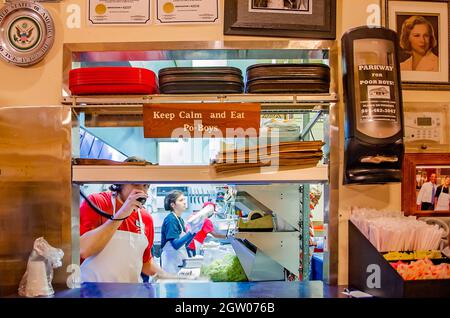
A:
(112, 81)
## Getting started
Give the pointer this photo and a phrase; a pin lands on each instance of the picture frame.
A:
(315, 19)
(418, 170)
(423, 30)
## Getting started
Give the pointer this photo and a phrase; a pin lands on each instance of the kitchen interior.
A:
(259, 238)
(259, 223)
(247, 211)
(268, 247)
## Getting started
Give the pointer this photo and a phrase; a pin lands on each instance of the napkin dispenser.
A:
(373, 106)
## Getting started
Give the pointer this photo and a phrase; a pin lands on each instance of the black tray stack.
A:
(288, 78)
(201, 80)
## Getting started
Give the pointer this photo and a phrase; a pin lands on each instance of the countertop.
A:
(278, 289)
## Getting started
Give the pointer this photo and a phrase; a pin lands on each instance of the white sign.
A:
(119, 12)
(187, 11)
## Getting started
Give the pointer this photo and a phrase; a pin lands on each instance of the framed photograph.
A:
(314, 19)
(426, 184)
(423, 32)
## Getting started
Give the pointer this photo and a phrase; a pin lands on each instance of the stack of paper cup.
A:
(37, 284)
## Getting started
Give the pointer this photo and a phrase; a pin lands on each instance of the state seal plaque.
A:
(27, 32)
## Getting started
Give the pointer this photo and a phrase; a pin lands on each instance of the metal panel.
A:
(126, 111)
(305, 237)
(126, 103)
(282, 247)
(257, 266)
(186, 49)
(283, 199)
(35, 187)
(331, 195)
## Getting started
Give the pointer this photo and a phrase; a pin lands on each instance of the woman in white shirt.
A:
(418, 39)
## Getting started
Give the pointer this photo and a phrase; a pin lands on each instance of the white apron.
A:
(443, 202)
(172, 259)
(120, 261)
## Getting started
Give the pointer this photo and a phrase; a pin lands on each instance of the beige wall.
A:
(41, 85)
(350, 14)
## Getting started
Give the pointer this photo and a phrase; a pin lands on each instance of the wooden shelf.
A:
(194, 174)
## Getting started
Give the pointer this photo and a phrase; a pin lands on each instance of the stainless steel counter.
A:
(312, 289)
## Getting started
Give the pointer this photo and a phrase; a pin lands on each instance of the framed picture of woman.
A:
(423, 32)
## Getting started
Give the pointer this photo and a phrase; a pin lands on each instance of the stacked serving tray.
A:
(112, 80)
(288, 78)
(200, 80)
(261, 78)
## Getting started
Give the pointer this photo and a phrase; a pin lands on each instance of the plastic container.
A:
(37, 284)
(112, 81)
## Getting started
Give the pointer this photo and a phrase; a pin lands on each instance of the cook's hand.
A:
(163, 275)
(196, 226)
(131, 203)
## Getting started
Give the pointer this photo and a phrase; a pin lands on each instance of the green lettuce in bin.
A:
(226, 269)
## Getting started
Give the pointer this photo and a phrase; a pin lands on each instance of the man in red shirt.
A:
(117, 248)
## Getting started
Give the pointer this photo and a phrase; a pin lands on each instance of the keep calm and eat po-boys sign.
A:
(202, 120)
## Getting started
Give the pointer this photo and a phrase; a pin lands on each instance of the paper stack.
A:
(284, 154)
